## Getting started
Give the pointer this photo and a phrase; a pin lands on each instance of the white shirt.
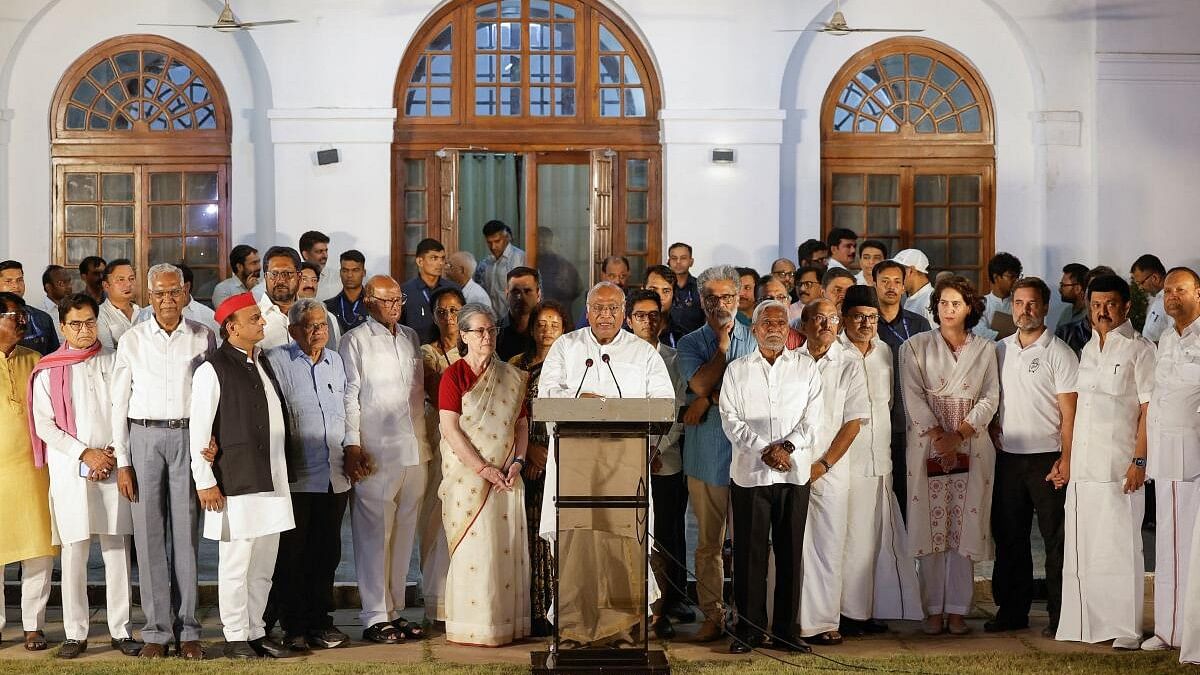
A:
(668, 444)
(51, 308)
(832, 262)
(918, 303)
(492, 274)
(1157, 319)
(473, 292)
(80, 507)
(1112, 385)
(194, 310)
(844, 398)
(763, 403)
(870, 453)
(152, 378)
(385, 394)
(993, 304)
(227, 289)
(330, 282)
(111, 324)
(1173, 424)
(275, 333)
(1031, 378)
(244, 516)
(860, 278)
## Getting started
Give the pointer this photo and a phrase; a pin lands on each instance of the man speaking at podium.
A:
(597, 567)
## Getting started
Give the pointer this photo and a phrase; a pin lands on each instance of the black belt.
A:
(161, 424)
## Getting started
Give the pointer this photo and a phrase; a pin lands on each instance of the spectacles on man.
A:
(601, 310)
(175, 293)
(724, 299)
(391, 302)
(786, 274)
(808, 284)
(829, 319)
(644, 316)
(18, 318)
(314, 328)
(868, 319)
(77, 326)
(782, 297)
(284, 275)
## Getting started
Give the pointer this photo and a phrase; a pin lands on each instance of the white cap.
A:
(911, 257)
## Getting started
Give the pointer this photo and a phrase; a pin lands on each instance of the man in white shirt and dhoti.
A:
(598, 570)
(71, 413)
(1103, 568)
(243, 484)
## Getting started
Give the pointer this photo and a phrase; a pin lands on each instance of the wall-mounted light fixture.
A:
(724, 156)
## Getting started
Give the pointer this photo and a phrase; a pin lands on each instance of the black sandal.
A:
(383, 633)
(35, 640)
(409, 629)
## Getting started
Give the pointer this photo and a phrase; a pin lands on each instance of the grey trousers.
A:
(165, 532)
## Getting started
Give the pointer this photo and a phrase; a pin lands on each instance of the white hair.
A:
(470, 311)
(719, 273)
(764, 306)
(302, 307)
(603, 284)
(468, 260)
(159, 270)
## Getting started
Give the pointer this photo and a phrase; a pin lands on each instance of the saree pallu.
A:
(487, 586)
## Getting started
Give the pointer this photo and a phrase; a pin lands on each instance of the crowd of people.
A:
(857, 430)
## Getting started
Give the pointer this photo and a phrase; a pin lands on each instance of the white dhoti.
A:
(384, 516)
(1103, 587)
(824, 549)
(114, 550)
(1189, 640)
(879, 575)
(35, 593)
(1176, 503)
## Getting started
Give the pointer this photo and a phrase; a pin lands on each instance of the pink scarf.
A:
(59, 364)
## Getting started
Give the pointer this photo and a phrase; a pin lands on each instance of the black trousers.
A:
(771, 516)
(670, 547)
(900, 473)
(1021, 490)
(302, 588)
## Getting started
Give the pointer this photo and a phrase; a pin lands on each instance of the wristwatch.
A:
(787, 445)
(827, 465)
(1139, 462)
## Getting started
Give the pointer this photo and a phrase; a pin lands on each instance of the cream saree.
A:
(487, 586)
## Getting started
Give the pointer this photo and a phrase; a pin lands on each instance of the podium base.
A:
(597, 661)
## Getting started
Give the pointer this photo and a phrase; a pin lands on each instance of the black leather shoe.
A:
(741, 645)
(663, 628)
(851, 627)
(296, 644)
(873, 626)
(268, 648)
(71, 649)
(790, 644)
(240, 650)
(327, 638)
(999, 625)
(127, 646)
(681, 612)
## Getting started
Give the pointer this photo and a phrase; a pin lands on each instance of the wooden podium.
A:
(601, 449)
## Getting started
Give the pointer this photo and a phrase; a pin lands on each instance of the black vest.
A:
(242, 425)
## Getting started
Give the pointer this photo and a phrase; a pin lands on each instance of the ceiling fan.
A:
(837, 26)
(226, 23)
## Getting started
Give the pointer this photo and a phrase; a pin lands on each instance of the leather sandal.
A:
(410, 630)
(35, 640)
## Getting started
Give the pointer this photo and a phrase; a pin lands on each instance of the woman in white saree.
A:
(951, 392)
(485, 431)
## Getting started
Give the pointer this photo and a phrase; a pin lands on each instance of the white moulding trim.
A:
(332, 125)
(723, 127)
(1147, 67)
(1057, 127)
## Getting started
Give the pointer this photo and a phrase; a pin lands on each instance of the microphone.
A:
(589, 363)
(604, 358)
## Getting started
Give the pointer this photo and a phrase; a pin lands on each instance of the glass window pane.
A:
(197, 91)
(81, 187)
(439, 68)
(948, 125)
(486, 11)
(539, 36)
(539, 69)
(893, 65)
(635, 103)
(882, 188)
(637, 173)
(165, 249)
(203, 217)
(930, 189)
(103, 106)
(848, 216)
(852, 95)
(485, 101)
(178, 73)
(918, 66)
(635, 205)
(414, 103)
(413, 234)
(485, 67)
(202, 187)
(961, 95)
(81, 219)
(608, 41)
(635, 237)
(842, 119)
(441, 43)
(564, 101)
(964, 251)
(117, 219)
(153, 62)
(97, 122)
(485, 35)
(888, 125)
(165, 220)
(610, 102)
(564, 69)
(79, 248)
(510, 9)
(610, 70)
(76, 117)
(539, 101)
(414, 206)
(419, 75)
(847, 187)
(971, 122)
(127, 62)
(943, 76)
(865, 125)
(112, 248)
(85, 92)
(562, 11)
(631, 73)
(206, 117)
(165, 187)
(941, 108)
(637, 266)
(117, 187)
(883, 219)
(204, 279)
(925, 126)
(510, 68)
(929, 220)
(439, 101)
(964, 220)
(964, 188)
(539, 9)
(414, 173)
(510, 36)
(121, 122)
(935, 249)
(510, 101)
(201, 251)
(564, 37)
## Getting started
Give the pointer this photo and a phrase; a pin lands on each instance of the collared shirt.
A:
(992, 305)
(316, 399)
(1157, 320)
(1075, 333)
(1112, 384)
(707, 451)
(418, 313)
(844, 397)
(194, 310)
(51, 309)
(918, 303)
(763, 403)
(1031, 378)
(349, 314)
(687, 311)
(152, 378)
(832, 262)
(475, 293)
(275, 333)
(637, 370)
(227, 289)
(492, 274)
(385, 394)
(870, 453)
(1173, 425)
(895, 333)
(668, 444)
(329, 284)
(112, 324)
(41, 331)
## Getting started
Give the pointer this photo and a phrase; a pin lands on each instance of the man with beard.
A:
(808, 288)
(785, 271)
(747, 286)
(492, 272)
(1071, 289)
(687, 313)
(41, 331)
(843, 244)
(118, 310)
(246, 267)
(813, 253)
(1033, 457)
(281, 274)
(314, 248)
(1149, 274)
(524, 293)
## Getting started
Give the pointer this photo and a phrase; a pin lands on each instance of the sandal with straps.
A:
(35, 640)
(409, 629)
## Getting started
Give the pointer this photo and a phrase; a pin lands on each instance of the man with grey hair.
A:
(703, 355)
(770, 409)
(459, 268)
(312, 379)
(151, 398)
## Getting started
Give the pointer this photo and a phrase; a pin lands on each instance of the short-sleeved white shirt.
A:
(1031, 378)
(1173, 423)
(1112, 385)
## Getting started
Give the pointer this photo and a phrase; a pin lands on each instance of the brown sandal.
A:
(35, 640)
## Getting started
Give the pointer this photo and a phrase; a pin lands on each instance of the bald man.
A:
(459, 268)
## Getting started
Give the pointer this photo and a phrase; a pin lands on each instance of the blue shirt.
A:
(706, 449)
(418, 314)
(349, 314)
(315, 397)
(687, 312)
(39, 331)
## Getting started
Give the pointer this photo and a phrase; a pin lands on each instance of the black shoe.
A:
(268, 648)
(127, 646)
(383, 633)
(240, 650)
(540, 628)
(998, 625)
(327, 638)
(789, 644)
(743, 645)
(409, 629)
(296, 644)
(663, 628)
(873, 626)
(1050, 631)
(681, 612)
(71, 649)
(851, 627)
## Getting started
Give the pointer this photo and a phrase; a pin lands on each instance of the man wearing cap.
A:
(916, 282)
(245, 487)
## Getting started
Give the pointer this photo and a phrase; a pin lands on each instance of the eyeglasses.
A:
(868, 319)
(785, 275)
(644, 316)
(725, 299)
(282, 274)
(314, 327)
(175, 293)
(444, 312)
(784, 298)
(829, 319)
(1066, 285)
(18, 318)
(77, 326)
(601, 310)
(491, 332)
(391, 302)
(808, 284)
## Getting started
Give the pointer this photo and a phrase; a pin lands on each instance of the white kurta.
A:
(275, 333)
(879, 573)
(79, 507)
(245, 516)
(918, 303)
(111, 324)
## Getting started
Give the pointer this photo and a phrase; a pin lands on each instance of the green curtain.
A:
(490, 187)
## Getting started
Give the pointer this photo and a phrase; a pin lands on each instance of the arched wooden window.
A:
(908, 154)
(140, 145)
(559, 101)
